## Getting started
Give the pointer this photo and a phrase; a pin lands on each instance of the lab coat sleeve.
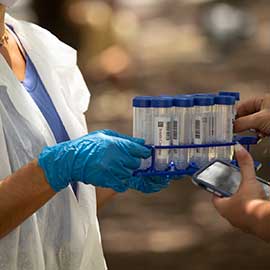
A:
(5, 168)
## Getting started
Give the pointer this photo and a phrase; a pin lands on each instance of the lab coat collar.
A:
(49, 56)
(40, 38)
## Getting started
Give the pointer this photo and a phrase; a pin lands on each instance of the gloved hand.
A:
(149, 184)
(102, 158)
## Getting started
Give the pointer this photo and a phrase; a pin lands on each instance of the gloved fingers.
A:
(132, 163)
(123, 136)
(148, 188)
(117, 184)
(120, 171)
(147, 185)
(137, 150)
(159, 180)
(123, 177)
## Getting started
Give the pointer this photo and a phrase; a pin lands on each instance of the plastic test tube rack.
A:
(246, 141)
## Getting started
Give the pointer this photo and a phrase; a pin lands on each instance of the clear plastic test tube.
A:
(224, 106)
(162, 128)
(212, 153)
(203, 128)
(182, 129)
(142, 123)
(236, 95)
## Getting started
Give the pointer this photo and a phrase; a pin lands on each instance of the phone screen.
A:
(225, 178)
(221, 176)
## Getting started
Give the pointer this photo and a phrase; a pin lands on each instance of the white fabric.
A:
(63, 234)
(8, 3)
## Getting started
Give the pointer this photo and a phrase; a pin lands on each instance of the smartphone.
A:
(222, 179)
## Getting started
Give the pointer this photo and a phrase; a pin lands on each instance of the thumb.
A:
(245, 162)
(247, 122)
(119, 135)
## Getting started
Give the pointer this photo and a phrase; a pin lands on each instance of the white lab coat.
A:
(64, 233)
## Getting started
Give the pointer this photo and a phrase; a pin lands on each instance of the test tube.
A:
(224, 106)
(236, 95)
(203, 128)
(212, 151)
(182, 129)
(162, 116)
(205, 94)
(142, 123)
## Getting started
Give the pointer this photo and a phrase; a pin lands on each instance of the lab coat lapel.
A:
(23, 102)
(44, 56)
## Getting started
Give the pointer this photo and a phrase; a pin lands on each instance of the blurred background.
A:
(149, 47)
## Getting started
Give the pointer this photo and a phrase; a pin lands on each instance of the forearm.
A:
(22, 194)
(103, 196)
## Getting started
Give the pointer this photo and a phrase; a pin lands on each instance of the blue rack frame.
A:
(246, 141)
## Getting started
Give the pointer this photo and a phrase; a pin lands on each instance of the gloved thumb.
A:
(137, 150)
(123, 136)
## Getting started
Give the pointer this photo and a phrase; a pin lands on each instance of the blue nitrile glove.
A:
(149, 184)
(103, 158)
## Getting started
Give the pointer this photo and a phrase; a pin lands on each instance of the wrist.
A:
(57, 176)
(39, 173)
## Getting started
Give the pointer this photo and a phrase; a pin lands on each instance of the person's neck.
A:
(2, 20)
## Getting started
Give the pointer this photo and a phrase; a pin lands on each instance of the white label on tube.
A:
(202, 128)
(175, 132)
(162, 134)
(213, 127)
(219, 127)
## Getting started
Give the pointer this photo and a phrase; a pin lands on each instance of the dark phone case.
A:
(212, 189)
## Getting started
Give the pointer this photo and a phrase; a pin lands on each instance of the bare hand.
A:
(254, 114)
(243, 210)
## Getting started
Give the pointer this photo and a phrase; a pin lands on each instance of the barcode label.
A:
(168, 131)
(212, 126)
(197, 129)
(202, 129)
(162, 135)
(162, 131)
(175, 130)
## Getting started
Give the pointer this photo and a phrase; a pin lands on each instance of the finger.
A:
(266, 102)
(160, 180)
(132, 163)
(245, 162)
(120, 171)
(123, 136)
(116, 178)
(247, 122)
(221, 204)
(137, 150)
(145, 184)
(250, 106)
